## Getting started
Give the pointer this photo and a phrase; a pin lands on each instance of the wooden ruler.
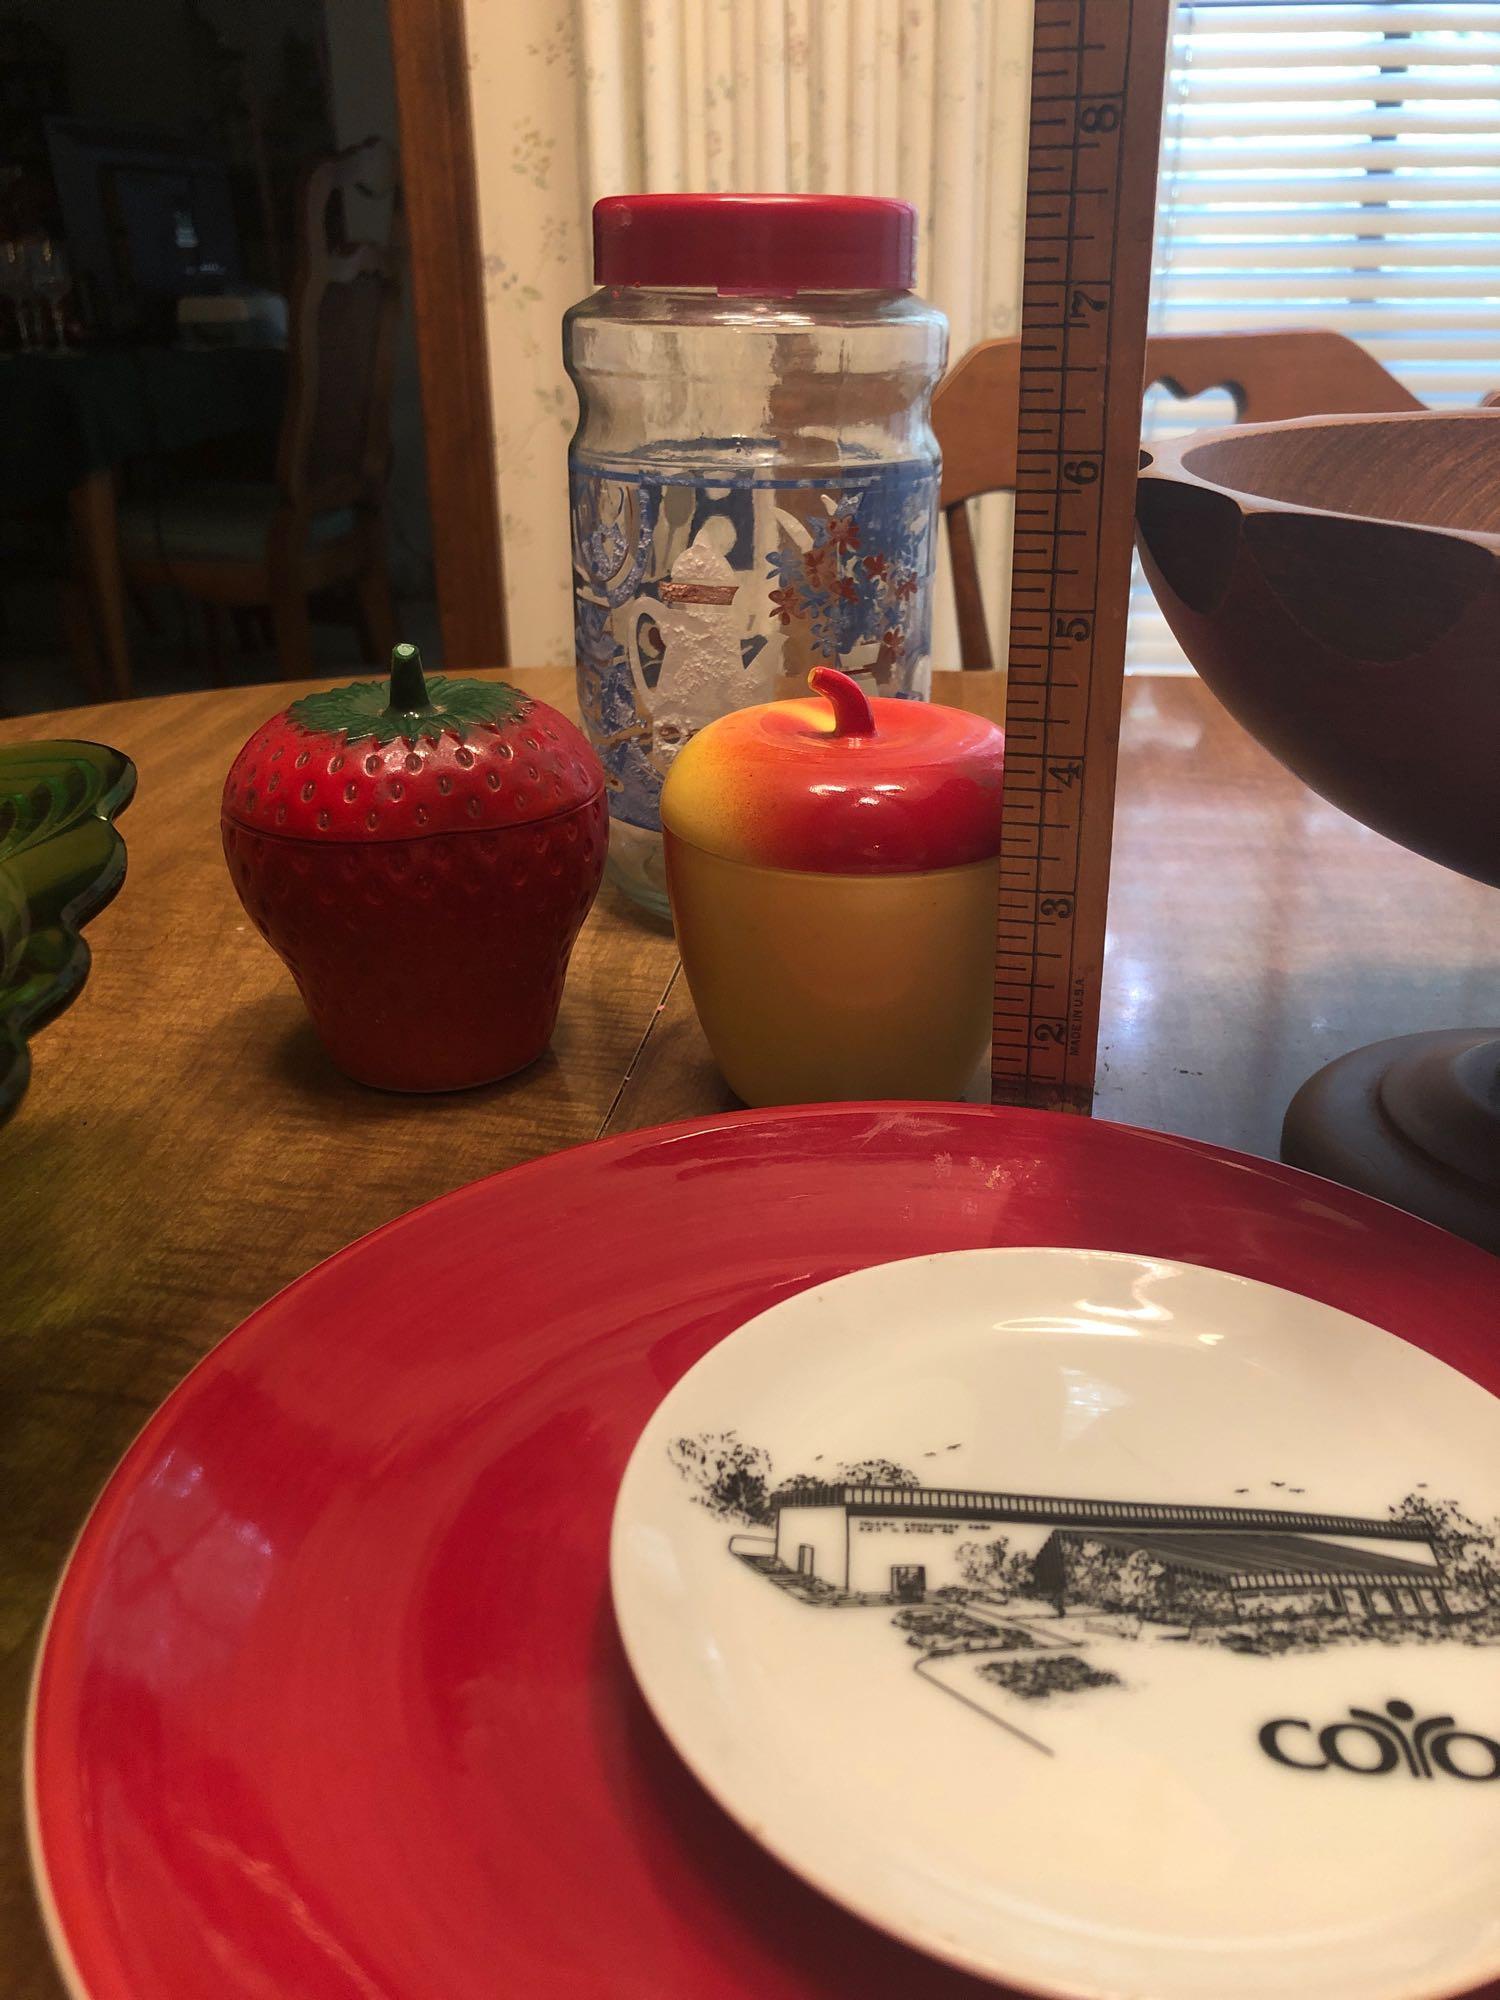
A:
(1096, 96)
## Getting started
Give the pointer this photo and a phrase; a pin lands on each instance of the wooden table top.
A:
(185, 1149)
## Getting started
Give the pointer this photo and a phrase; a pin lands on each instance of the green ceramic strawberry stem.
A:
(852, 714)
(408, 682)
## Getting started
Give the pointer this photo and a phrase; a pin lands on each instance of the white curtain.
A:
(573, 99)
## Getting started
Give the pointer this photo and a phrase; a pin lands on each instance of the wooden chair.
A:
(320, 525)
(975, 413)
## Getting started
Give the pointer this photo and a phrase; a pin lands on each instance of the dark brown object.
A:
(95, 536)
(432, 81)
(1299, 373)
(184, 1107)
(1337, 583)
(431, 59)
(1416, 1121)
(325, 525)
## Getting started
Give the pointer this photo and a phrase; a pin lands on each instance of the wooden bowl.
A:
(1336, 581)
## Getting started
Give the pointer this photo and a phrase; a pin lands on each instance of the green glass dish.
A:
(61, 861)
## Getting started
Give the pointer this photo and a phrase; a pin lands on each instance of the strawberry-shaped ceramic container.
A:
(833, 867)
(421, 855)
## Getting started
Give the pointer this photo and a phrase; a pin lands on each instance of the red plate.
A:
(331, 1703)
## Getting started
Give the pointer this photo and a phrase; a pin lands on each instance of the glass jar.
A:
(754, 477)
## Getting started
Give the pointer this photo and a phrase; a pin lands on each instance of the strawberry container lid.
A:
(845, 785)
(378, 761)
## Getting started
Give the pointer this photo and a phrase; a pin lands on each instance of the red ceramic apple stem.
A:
(852, 714)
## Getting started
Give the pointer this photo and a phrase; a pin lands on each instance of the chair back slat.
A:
(1298, 372)
(974, 413)
(335, 436)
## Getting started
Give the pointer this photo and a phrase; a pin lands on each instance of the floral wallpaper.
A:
(574, 99)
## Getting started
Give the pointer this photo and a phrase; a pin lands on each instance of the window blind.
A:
(1332, 164)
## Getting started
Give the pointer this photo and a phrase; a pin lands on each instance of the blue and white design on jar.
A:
(693, 598)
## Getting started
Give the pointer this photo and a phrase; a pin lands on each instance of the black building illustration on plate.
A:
(1163, 1561)
(1005, 1597)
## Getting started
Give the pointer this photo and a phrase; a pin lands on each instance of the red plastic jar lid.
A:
(756, 242)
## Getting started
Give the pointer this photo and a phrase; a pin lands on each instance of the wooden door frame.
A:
(429, 51)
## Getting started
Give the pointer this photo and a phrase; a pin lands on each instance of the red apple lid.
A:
(842, 785)
(380, 761)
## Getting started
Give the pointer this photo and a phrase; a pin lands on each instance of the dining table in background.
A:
(185, 1148)
(71, 419)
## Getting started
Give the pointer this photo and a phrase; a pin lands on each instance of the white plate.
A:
(1257, 1751)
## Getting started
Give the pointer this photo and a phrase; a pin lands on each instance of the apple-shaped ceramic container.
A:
(833, 867)
(422, 857)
